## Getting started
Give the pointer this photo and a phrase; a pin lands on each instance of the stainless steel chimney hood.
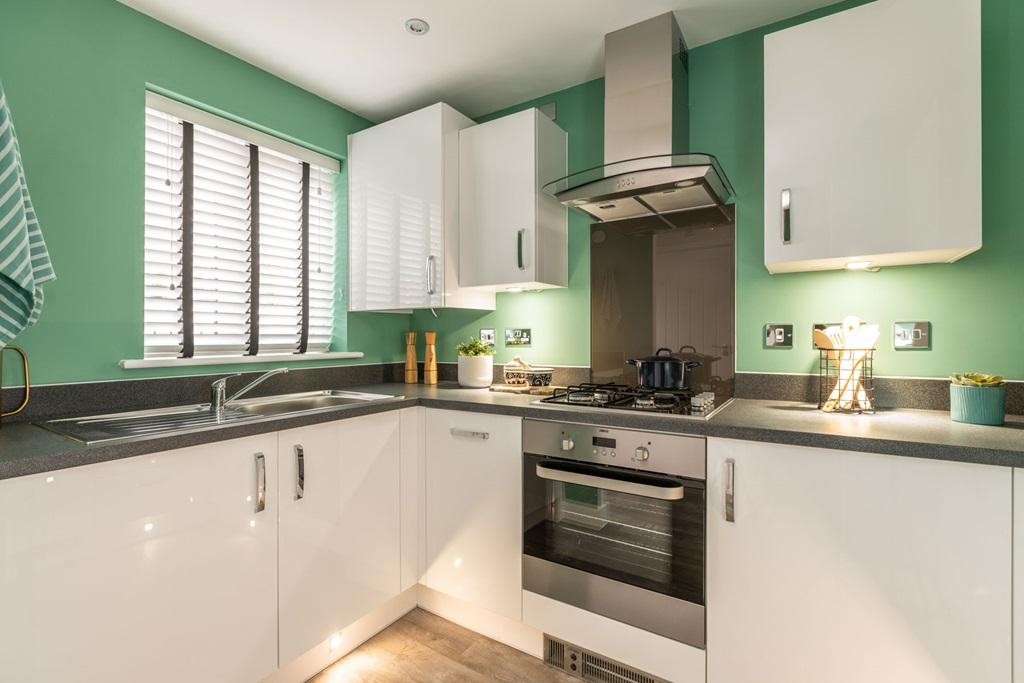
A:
(641, 176)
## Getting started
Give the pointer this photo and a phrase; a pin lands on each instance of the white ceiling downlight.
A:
(417, 27)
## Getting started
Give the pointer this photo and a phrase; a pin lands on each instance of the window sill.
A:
(143, 363)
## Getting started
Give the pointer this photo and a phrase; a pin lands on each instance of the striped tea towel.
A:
(24, 262)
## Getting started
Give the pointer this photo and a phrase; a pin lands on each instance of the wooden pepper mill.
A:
(411, 372)
(430, 358)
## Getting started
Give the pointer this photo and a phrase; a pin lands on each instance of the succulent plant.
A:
(977, 379)
(474, 347)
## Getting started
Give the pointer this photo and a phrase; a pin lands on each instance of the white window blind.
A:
(323, 191)
(239, 243)
(162, 264)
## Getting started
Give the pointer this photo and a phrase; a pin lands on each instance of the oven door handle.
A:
(672, 490)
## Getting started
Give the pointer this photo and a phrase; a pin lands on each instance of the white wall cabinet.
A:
(513, 235)
(156, 568)
(872, 124)
(403, 228)
(474, 509)
(340, 534)
(851, 567)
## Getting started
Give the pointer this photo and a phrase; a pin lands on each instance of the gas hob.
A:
(683, 402)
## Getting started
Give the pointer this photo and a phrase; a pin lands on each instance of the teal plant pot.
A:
(977, 405)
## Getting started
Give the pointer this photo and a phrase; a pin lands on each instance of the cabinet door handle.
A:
(300, 472)
(520, 236)
(261, 482)
(729, 474)
(430, 274)
(470, 434)
(787, 224)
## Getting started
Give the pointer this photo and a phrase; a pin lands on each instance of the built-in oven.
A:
(613, 523)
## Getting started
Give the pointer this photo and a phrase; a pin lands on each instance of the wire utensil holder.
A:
(845, 380)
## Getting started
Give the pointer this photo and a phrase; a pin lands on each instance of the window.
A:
(239, 239)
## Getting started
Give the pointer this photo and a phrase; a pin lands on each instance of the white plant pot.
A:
(476, 372)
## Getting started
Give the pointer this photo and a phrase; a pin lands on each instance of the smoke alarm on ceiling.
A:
(417, 27)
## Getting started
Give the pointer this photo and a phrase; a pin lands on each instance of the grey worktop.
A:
(27, 449)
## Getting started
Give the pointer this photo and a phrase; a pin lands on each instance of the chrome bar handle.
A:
(520, 236)
(261, 482)
(729, 473)
(300, 472)
(787, 224)
(430, 274)
(470, 434)
(672, 491)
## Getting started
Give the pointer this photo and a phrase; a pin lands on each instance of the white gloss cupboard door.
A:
(339, 526)
(474, 508)
(158, 568)
(403, 229)
(872, 125)
(850, 567)
(513, 235)
(1018, 576)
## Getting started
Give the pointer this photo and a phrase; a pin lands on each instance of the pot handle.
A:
(690, 364)
(668, 352)
(632, 361)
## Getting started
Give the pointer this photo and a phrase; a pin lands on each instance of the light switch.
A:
(907, 336)
(778, 336)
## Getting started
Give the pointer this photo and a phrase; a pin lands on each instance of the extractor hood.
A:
(641, 176)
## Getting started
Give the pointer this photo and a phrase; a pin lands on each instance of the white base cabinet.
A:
(155, 568)
(512, 233)
(340, 536)
(852, 567)
(473, 476)
(872, 128)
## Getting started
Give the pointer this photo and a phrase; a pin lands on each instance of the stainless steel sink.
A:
(301, 403)
(141, 424)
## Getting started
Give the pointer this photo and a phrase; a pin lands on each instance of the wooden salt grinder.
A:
(430, 358)
(411, 372)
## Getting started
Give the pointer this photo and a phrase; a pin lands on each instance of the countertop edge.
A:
(67, 453)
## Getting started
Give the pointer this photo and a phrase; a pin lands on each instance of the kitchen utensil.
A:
(411, 372)
(702, 376)
(663, 371)
(24, 369)
(430, 358)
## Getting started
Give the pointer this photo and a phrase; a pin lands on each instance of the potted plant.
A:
(476, 364)
(977, 399)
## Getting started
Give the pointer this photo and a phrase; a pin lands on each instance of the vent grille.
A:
(590, 666)
(554, 652)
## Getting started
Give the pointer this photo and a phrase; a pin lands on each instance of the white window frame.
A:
(264, 142)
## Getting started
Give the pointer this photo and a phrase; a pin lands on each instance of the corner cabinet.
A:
(340, 535)
(403, 210)
(513, 235)
(474, 524)
(850, 567)
(872, 133)
(160, 568)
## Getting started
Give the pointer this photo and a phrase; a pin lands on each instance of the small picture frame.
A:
(518, 336)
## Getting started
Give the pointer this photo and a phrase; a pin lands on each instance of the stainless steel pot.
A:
(663, 371)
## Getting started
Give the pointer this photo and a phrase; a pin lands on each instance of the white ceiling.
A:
(479, 56)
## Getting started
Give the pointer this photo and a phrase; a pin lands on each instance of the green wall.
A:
(974, 304)
(75, 72)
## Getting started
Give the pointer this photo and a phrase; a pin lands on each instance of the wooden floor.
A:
(423, 648)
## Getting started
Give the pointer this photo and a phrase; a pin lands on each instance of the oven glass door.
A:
(641, 529)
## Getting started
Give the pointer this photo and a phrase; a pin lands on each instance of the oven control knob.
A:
(568, 444)
(641, 454)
